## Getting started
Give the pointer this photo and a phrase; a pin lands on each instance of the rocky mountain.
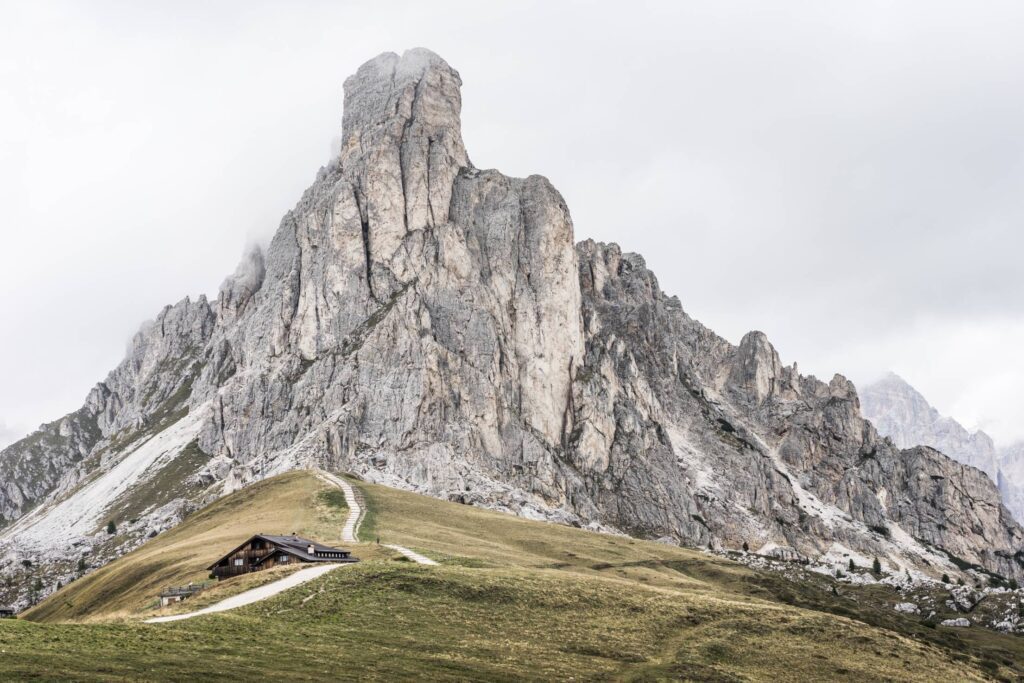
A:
(1011, 462)
(901, 413)
(430, 325)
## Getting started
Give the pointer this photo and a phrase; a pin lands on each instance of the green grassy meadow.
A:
(512, 600)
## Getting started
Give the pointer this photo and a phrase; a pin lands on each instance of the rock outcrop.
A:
(431, 325)
(901, 413)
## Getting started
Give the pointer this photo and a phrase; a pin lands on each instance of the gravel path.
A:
(256, 594)
(355, 516)
(348, 535)
(411, 554)
(355, 512)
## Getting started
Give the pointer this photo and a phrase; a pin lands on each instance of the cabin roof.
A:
(293, 545)
(299, 547)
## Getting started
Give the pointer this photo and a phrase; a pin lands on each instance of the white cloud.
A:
(9, 435)
(969, 368)
(844, 176)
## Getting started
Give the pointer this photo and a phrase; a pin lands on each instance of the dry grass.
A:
(512, 600)
(399, 621)
(129, 585)
(458, 534)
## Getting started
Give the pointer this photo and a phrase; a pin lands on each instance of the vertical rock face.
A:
(431, 325)
(679, 433)
(756, 369)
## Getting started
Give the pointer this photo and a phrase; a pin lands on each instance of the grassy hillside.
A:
(295, 502)
(512, 599)
(396, 621)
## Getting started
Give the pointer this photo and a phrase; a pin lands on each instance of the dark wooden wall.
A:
(248, 555)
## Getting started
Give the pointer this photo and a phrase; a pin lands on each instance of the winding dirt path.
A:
(355, 510)
(256, 594)
(348, 535)
(411, 554)
(355, 516)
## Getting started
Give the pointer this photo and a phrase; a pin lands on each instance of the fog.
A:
(844, 176)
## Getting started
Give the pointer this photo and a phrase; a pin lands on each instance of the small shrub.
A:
(746, 547)
(111, 528)
(876, 566)
(852, 565)
(945, 578)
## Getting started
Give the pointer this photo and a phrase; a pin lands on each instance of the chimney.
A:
(311, 550)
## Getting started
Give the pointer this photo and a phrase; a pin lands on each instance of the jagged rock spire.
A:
(402, 144)
(757, 366)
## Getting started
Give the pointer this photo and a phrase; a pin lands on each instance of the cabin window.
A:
(282, 559)
(257, 545)
(239, 561)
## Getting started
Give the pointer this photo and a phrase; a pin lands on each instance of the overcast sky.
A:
(847, 177)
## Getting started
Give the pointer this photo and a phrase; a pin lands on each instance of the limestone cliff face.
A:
(431, 325)
(679, 433)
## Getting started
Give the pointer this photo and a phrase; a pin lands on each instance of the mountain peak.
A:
(401, 146)
(428, 325)
(891, 380)
(405, 101)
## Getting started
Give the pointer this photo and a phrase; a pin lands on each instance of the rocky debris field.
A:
(969, 601)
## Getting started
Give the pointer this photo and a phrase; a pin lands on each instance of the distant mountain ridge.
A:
(902, 413)
(430, 325)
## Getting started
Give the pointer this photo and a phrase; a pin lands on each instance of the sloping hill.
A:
(294, 502)
(511, 599)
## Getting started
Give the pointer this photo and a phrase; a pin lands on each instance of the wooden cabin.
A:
(263, 551)
(7, 613)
